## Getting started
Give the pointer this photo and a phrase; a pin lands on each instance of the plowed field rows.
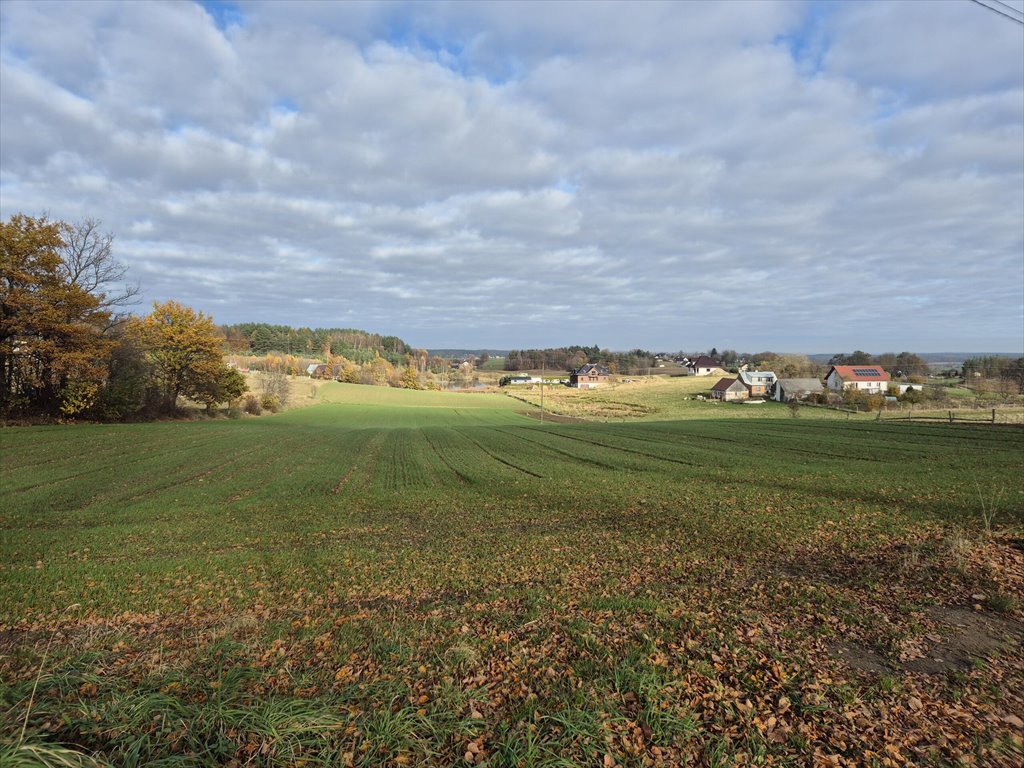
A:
(424, 578)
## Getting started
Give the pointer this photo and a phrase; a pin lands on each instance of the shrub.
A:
(912, 395)
(874, 402)
(252, 406)
(269, 403)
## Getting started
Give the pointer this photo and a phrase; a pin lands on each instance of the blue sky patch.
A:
(452, 53)
(285, 106)
(224, 13)
(809, 43)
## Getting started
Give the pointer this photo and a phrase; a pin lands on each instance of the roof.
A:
(723, 385)
(705, 362)
(592, 369)
(748, 377)
(859, 372)
(807, 385)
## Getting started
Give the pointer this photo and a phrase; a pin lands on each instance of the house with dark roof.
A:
(703, 366)
(867, 378)
(729, 390)
(589, 376)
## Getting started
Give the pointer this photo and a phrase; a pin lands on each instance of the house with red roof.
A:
(867, 378)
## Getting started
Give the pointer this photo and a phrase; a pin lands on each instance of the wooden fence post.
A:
(950, 417)
(993, 415)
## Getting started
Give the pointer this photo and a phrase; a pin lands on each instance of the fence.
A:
(994, 416)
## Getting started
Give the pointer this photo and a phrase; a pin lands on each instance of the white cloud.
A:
(625, 174)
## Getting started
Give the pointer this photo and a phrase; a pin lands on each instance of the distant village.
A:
(747, 384)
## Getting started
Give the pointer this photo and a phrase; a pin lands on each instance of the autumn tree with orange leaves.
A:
(53, 345)
(183, 348)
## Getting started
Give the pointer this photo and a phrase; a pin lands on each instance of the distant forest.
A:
(355, 345)
(634, 363)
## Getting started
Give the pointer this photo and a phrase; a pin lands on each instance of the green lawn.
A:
(394, 577)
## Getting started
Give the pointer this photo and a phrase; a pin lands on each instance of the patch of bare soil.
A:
(961, 635)
(862, 659)
(971, 635)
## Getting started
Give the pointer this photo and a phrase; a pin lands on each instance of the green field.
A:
(394, 577)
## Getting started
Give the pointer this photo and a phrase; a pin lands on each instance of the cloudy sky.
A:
(797, 176)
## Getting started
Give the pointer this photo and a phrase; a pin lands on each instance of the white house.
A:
(867, 378)
(703, 366)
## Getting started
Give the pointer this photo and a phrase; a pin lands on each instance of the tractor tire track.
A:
(444, 460)
(500, 460)
(369, 456)
(115, 465)
(618, 448)
(560, 452)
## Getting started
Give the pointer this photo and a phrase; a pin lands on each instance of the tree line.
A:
(902, 364)
(633, 363)
(996, 368)
(320, 343)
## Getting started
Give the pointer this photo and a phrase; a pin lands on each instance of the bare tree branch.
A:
(87, 261)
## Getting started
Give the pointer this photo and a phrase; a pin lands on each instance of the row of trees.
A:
(635, 362)
(68, 347)
(356, 345)
(1007, 370)
(902, 364)
(638, 361)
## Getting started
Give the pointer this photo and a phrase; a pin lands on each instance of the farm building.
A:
(729, 390)
(703, 366)
(866, 378)
(589, 376)
(757, 382)
(519, 380)
(324, 372)
(785, 390)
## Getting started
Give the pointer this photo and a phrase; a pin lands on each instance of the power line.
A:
(1001, 13)
(1007, 5)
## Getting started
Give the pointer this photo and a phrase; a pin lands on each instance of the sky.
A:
(794, 176)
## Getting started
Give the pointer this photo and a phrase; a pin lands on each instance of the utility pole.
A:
(543, 370)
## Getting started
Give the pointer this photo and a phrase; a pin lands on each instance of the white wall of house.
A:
(869, 386)
(836, 383)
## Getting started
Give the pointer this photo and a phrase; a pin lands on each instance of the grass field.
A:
(399, 578)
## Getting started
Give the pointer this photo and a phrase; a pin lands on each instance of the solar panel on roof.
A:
(865, 371)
